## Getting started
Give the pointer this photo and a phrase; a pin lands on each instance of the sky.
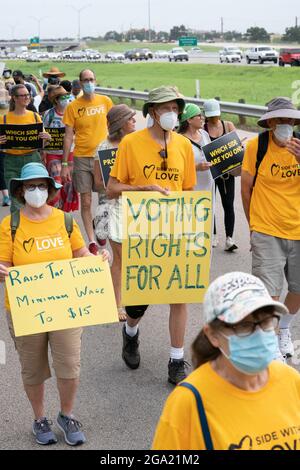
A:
(59, 18)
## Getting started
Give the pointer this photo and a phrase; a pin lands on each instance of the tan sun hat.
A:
(56, 93)
(164, 94)
(279, 108)
(54, 71)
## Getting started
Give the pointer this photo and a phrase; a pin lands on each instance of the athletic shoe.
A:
(44, 435)
(279, 356)
(176, 369)
(215, 241)
(93, 248)
(230, 245)
(6, 201)
(285, 342)
(130, 351)
(71, 429)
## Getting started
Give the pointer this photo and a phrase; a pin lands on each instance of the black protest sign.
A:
(57, 138)
(225, 154)
(22, 136)
(106, 159)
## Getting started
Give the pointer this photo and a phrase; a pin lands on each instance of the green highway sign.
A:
(35, 40)
(188, 41)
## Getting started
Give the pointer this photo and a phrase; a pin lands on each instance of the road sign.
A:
(188, 41)
(35, 40)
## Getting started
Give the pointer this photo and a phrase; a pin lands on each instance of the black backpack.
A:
(263, 142)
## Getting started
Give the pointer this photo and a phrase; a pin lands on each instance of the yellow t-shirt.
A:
(138, 162)
(29, 118)
(274, 207)
(88, 119)
(38, 241)
(265, 420)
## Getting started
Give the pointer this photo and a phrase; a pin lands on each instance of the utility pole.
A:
(296, 22)
(222, 26)
(79, 10)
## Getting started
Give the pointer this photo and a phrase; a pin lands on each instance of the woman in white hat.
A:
(237, 398)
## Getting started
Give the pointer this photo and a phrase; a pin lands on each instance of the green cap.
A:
(191, 110)
(164, 94)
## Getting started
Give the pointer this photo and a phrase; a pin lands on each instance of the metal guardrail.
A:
(240, 109)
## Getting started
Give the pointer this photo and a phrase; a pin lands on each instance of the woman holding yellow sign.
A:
(16, 158)
(21, 243)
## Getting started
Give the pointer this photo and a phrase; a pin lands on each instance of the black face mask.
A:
(17, 81)
(53, 80)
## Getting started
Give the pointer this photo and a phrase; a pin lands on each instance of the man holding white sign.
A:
(155, 159)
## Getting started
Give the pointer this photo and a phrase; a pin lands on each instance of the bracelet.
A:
(64, 163)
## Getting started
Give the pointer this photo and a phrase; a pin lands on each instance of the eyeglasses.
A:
(23, 96)
(164, 164)
(32, 187)
(246, 328)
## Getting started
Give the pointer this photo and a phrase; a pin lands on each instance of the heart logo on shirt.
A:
(245, 444)
(148, 170)
(275, 169)
(28, 244)
(81, 112)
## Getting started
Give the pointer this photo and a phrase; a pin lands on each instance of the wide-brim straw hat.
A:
(164, 94)
(57, 92)
(54, 71)
(279, 108)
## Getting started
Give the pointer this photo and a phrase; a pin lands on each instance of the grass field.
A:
(255, 84)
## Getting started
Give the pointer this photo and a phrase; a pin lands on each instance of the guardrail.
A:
(240, 109)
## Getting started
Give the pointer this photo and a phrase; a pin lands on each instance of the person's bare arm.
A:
(293, 147)
(3, 270)
(68, 140)
(247, 181)
(115, 188)
(39, 86)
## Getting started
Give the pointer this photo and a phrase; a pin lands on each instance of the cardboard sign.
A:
(166, 247)
(225, 154)
(106, 160)
(61, 294)
(57, 138)
(23, 136)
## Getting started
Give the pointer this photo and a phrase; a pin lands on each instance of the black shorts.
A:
(136, 311)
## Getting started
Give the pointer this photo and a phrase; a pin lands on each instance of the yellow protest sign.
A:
(61, 294)
(166, 247)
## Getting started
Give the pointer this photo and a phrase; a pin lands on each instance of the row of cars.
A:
(258, 54)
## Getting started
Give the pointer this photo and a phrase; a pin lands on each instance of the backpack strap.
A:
(14, 223)
(202, 416)
(263, 142)
(195, 144)
(68, 223)
(35, 117)
(4, 119)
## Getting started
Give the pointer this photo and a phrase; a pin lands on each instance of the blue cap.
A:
(32, 171)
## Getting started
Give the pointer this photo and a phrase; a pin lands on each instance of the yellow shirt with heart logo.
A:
(274, 208)
(38, 241)
(88, 119)
(138, 162)
(268, 419)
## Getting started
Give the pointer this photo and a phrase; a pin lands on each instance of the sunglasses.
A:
(164, 164)
(22, 96)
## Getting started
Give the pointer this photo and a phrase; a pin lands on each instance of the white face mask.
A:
(36, 198)
(63, 104)
(283, 132)
(168, 121)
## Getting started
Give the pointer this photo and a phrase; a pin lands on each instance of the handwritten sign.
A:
(57, 138)
(25, 136)
(60, 295)
(166, 247)
(106, 160)
(225, 154)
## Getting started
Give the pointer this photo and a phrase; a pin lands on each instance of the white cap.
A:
(212, 108)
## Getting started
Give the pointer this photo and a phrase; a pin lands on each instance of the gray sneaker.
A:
(44, 435)
(71, 429)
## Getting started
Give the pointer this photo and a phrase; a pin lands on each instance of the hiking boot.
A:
(44, 435)
(130, 351)
(285, 342)
(6, 201)
(71, 429)
(230, 245)
(176, 368)
(93, 248)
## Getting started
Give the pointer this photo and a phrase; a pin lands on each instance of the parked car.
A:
(161, 54)
(289, 56)
(230, 57)
(261, 54)
(178, 53)
(236, 50)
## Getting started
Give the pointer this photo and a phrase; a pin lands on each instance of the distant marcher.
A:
(216, 128)
(53, 77)
(19, 79)
(35, 101)
(237, 398)
(76, 89)
(271, 195)
(4, 105)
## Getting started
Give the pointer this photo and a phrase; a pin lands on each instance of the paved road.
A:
(118, 407)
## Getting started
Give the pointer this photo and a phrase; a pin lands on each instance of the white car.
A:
(178, 53)
(195, 51)
(261, 54)
(230, 57)
(114, 56)
(161, 55)
(236, 50)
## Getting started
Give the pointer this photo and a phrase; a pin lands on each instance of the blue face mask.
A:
(89, 88)
(252, 354)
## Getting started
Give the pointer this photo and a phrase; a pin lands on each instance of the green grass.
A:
(255, 84)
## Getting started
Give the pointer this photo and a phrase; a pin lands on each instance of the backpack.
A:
(15, 222)
(263, 142)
